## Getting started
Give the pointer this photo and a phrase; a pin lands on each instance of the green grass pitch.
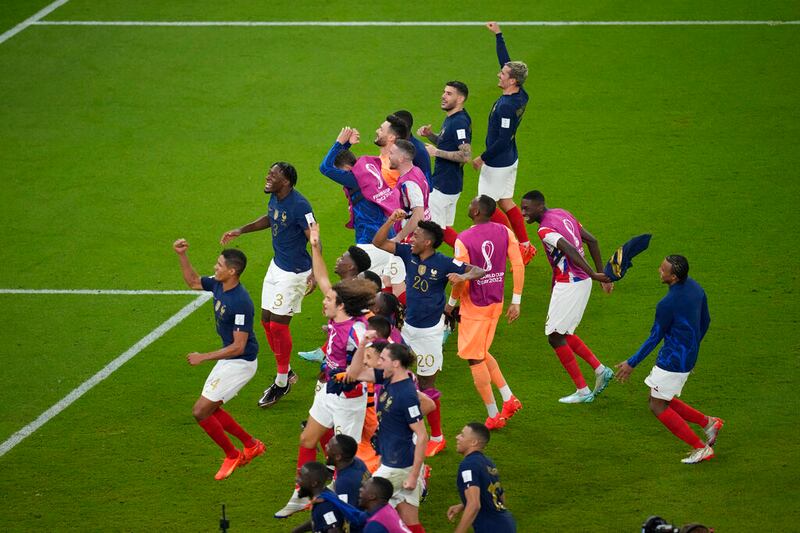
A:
(114, 141)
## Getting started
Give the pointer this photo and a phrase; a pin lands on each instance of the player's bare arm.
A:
(190, 276)
(381, 238)
(427, 132)
(471, 272)
(477, 163)
(473, 497)
(417, 214)
(624, 371)
(462, 155)
(256, 225)
(319, 270)
(594, 249)
(421, 432)
(348, 135)
(235, 349)
(357, 370)
(426, 405)
(577, 259)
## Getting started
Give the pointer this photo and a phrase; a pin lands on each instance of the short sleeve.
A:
(412, 410)
(550, 236)
(403, 251)
(463, 131)
(455, 265)
(303, 210)
(208, 283)
(412, 195)
(467, 477)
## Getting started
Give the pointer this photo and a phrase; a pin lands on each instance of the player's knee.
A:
(199, 412)
(556, 339)
(265, 315)
(657, 405)
(307, 441)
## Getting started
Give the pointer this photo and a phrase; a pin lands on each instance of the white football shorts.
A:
(498, 182)
(397, 476)
(665, 385)
(343, 415)
(426, 343)
(227, 378)
(443, 207)
(282, 292)
(567, 304)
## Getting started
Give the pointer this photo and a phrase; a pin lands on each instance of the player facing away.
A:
(288, 216)
(338, 406)
(427, 274)
(402, 437)
(312, 481)
(563, 238)
(498, 164)
(482, 496)
(451, 147)
(236, 361)
(682, 321)
(482, 303)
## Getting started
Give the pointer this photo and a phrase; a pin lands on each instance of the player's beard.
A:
(380, 142)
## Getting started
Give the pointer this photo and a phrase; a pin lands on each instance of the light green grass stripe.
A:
(109, 369)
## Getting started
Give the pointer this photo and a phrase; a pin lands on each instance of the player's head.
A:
(395, 358)
(351, 263)
(388, 306)
(376, 492)
(401, 154)
(351, 296)
(373, 277)
(513, 74)
(482, 208)
(674, 269)
(391, 129)
(281, 176)
(428, 236)
(454, 95)
(406, 117)
(230, 263)
(532, 206)
(373, 352)
(345, 160)
(473, 436)
(311, 479)
(381, 325)
(340, 449)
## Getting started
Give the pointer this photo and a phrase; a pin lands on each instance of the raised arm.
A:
(357, 370)
(500, 43)
(327, 167)
(417, 214)
(381, 238)
(319, 269)
(256, 225)
(190, 276)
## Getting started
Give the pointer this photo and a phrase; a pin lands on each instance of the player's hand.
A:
(431, 149)
(311, 284)
(493, 27)
(624, 371)
(313, 234)
(398, 214)
(607, 287)
(512, 313)
(601, 277)
(455, 278)
(424, 131)
(355, 137)
(454, 510)
(344, 135)
(195, 358)
(477, 163)
(228, 236)
(180, 246)
(411, 482)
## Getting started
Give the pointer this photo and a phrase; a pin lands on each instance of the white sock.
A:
(584, 391)
(281, 380)
(505, 392)
(440, 438)
(600, 369)
(491, 408)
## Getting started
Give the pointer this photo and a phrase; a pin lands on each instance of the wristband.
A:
(516, 299)
(452, 302)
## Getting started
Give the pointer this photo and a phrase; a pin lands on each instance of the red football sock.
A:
(268, 333)
(402, 298)
(305, 455)
(501, 218)
(282, 339)
(450, 236)
(323, 441)
(688, 413)
(567, 359)
(518, 224)
(416, 528)
(214, 429)
(680, 428)
(435, 419)
(582, 350)
(232, 426)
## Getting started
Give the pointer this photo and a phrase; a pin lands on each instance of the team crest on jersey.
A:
(283, 216)
(383, 396)
(434, 272)
(421, 270)
(221, 310)
(275, 214)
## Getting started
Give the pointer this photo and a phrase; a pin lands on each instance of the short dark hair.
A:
(406, 117)
(318, 471)
(380, 345)
(405, 146)
(344, 158)
(680, 266)
(434, 230)
(486, 205)
(348, 445)
(398, 126)
(288, 171)
(355, 294)
(391, 308)
(235, 259)
(480, 431)
(400, 352)
(360, 257)
(459, 86)
(534, 196)
(381, 325)
(383, 488)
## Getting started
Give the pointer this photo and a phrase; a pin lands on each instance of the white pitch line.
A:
(31, 20)
(87, 385)
(93, 291)
(291, 23)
